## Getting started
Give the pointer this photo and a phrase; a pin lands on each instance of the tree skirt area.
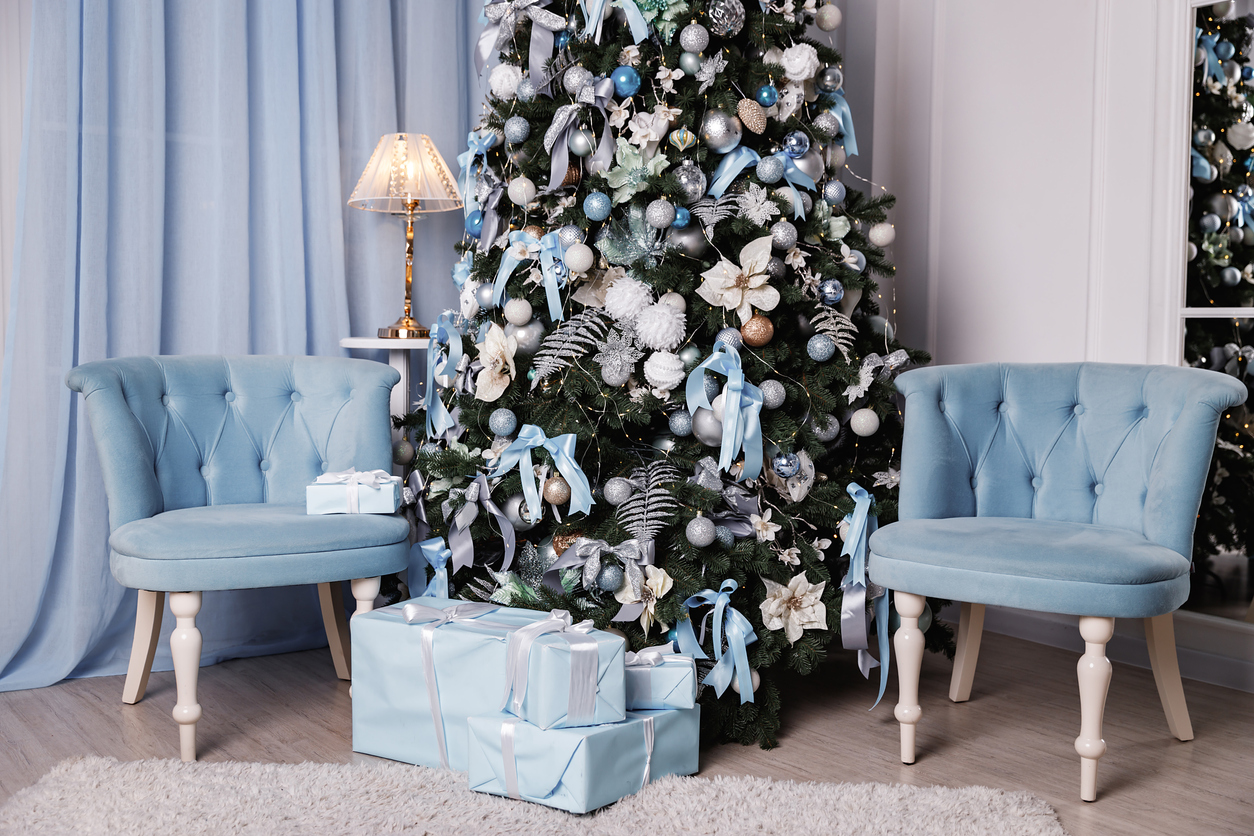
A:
(102, 795)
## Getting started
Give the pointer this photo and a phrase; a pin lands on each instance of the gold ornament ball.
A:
(758, 331)
(557, 491)
(535, 231)
(752, 115)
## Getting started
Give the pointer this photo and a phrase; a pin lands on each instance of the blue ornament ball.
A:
(820, 348)
(562, 39)
(729, 336)
(833, 192)
(474, 224)
(681, 423)
(767, 95)
(796, 144)
(610, 578)
(712, 387)
(517, 129)
(1247, 73)
(859, 261)
(682, 218)
(723, 535)
(626, 81)
(770, 169)
(786, 465)
(503, 421)
(596, 206)
(1225, 50)
(831, 291)
(1210, 222)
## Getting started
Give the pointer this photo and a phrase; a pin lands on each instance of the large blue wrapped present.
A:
(422, 667)
(581, 769)
(354, 491)
(659, 678)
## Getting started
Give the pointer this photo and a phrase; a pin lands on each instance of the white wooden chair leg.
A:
(331, 597)
(185, 649)
(144, 646)
(908, 643)
(1160, 639)
(365, 590)
(970, 630)
(1093, 671)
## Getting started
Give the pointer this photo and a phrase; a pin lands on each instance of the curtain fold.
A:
(185, 168)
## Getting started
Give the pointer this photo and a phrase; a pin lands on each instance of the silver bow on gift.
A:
(459, 540)
(874, 366)
(503, 18)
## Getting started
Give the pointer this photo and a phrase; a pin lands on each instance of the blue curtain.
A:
(185, 167)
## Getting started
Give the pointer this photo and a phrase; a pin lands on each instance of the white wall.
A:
(14, 52)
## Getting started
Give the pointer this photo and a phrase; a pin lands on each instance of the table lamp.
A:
(406, 176)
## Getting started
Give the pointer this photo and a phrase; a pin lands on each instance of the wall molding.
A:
(1093, 325)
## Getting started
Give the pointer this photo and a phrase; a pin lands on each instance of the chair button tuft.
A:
(296, 396)
(264, 464)
(1002, 407)
(1036, 482)
(204, 471)
(325, 467)
(230, 397)
(941, 406)
(973, 483)
(1079, 409)
(1098, 488)
(165, 400)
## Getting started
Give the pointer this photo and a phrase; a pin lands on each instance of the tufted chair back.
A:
(178, 432)
(1113, 445)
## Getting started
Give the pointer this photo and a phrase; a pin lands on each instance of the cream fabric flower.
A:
(821, 545)
(795, 258)
(656, 584)
(790, 556)
(740, 287)
(496, 352)
(667, 78)
(763, 528)
(794, 608)
(630, 56)
(619, 114)
(646, 128)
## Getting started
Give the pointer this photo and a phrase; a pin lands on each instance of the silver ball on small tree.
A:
(659, 214)
(502, 421)
(675, 300)
(615, 374)
(402, 452)
(700, 531)
(692, 181)
(570, 234)
(522, 191)
(729, 336)
(517, 129)
(617, 490)
(720, 131)
(581, 142)
(691, 355)
(828, 17)
(610, 578)
(528, 336)
(773, 394)
(724, 536)
(783, 235)
(690, 240)
(828, 123)
(776, 268)
(882, 234)
(483, 296)
(681, 423)
(575, 78)
(770, 169)
(694, 37)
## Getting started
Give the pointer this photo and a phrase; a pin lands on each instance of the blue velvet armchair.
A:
(205, 463)
(1063, 488)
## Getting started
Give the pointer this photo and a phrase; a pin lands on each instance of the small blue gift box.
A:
(354, 492)
(659, 678)
(422, 667)
(581, 769)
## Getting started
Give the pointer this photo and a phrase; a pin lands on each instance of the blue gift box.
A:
(581, 769)
(393, 713)
(659, 678)
(353, 492)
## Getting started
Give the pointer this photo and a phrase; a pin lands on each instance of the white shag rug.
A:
(102, 795)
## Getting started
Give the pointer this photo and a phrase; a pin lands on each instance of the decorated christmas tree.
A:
(1221, 265)
(668, 392)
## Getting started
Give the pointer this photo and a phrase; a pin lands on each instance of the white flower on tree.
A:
(790, 556)
(741, 287)
(656, 584)
(630, 56)
(756, 205)
(667, 78)
(496, 352)
(794, 608)
(800, 61)
(763, 528)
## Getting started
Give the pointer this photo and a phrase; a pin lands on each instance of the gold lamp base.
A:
(405, 328)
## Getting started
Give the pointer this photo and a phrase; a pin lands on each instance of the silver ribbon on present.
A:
(643, 662)
(597, 94)
(857, 590)
(459, 540)
(584, 665)
(874, 366)
(354, 479)
(507, 755)
(503, 17)
(489, 191)
(648, 745)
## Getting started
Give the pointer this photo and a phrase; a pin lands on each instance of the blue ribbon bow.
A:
(550, 257)
(562, 449)
(509, 262)
(440, 364)
(476, 145)
(727, 620)
(436, 555)
(461, 270)
(795, 177)
(840, 108)
(730, 167)
(1214, 67)
(742, 406)
(1245, 210)
(853, 620)
(594, 9)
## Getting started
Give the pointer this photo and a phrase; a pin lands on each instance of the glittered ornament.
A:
(581, 142)
(770, 169)
(517, 129)
(720, 131)
(700, 531)
(596, 206)
(617, 490)
(526, 90)
(626, 81)
(610, 578)
(574, 173)
(783, 235)
(659, 213)
(626, 298)
(660, 327)
(402, 452)
(828, 17)
(831, 291)
(502, 421)
(724, 536)
(834, 192)
(579, 258)
(773, 394)
(522, 191)
(706, 428)
(503, 81)
(758, 331)
(691, 180)
(828, 123)
(534, 230)
(690, 240)
(776, 268)
(680, 423)
(826, 427)
(557, 491)
(664, 370)
(821, 348)
(796, 143)
(574, 79)
(767, 95)
(729, 336)
(615, 375)
(786, 465)
(882, 234)
(727, 17)
(864, 422)
(520, 515)
(694, 38)
(570, 234)
(682, 139)
(690, 63)
(518, 311)
(752, 116)
(829, 79)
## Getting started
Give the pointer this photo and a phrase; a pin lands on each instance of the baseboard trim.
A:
(1215, 650)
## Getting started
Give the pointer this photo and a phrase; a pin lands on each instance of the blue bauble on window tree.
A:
(767, 95)
(474, 224)
(626, 81)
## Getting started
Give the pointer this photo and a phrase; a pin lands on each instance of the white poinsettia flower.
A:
(656, 584)
(794, 608)
(619, 113)
(630, 56)
(496, 352)
(795, 258)
(790, 556)
(741, 287)
(763, 528)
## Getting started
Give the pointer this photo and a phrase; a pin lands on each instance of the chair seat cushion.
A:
(255, 545)
(1042, 565)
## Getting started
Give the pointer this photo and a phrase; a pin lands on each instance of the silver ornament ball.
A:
(681, 423)
(690, 62)
(864, 422)
(828, 123)
(773, 394)
(519, 514)
(528, 336)
(615, 374)
(786, 465)
(706, 428)
(829, 79)
(526, 91)
(570, 234)
(694, 37)
(1230, 276)
(724, 536)
(721, 132)
(727, 17)
(776, 268)
(811, 163)
(692, 180)
(711, 385)
(700, 531)
(770, 169)
(783, 235)
(617, 491)
(517, 129)
(690, 240)
(834, 192)
(729, 336)
(483, 296)
(575, 78)
(826, 427)
(610, 578)
(820, 348)
(503, 421)
(659, 214)
(828, 17)
(581, 142)
(691, 355)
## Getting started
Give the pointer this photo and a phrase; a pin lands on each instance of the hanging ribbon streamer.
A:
(460, 542)
(727, 621)
(1201, 166)
(503, 17)
(729, 168)
(562, 449)
(523, 246)
(418, 487)
(440, 364)
(840, 108)
(593, 13)
(435, 554)
(553, 269)
(494, 191)
(354, 479)
(854, 627)
(584, 664)
(476, 146)
(1214, 67)
(742, 406)
(795, 177)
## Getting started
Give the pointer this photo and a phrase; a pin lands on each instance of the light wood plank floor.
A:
(1017, 732)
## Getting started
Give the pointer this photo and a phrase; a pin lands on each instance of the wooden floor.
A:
(1017, 732)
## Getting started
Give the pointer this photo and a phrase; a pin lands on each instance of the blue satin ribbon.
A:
(594, 9)
(729, 169)
(840, 108)
(742, 408)
(795, 177)
(550, 256)
(461, 270)
(475, 145)
(739, 631)
(562, 449)
(509, 262)
(1201, 166)
(437, 555)
(440, 364)
(1214, 67)
(1245, 211)
(853, 620)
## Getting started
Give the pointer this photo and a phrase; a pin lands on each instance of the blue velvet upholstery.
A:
(206, 459)
(1069, 488)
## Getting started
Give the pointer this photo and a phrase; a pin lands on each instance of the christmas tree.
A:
(1221, 265)
(670, 378)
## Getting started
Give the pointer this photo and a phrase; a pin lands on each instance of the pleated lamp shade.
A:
(406, 168)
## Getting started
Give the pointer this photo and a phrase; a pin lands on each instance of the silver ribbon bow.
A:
(488, 190)
(741, 505)
(417, 485)
(587, 553)
(874, 366)
(354, 479)
(459, 540)
(597, 94)
(1238, 358)
(584, 665)
(503, 18)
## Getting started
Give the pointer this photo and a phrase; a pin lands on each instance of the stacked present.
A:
(533, 705)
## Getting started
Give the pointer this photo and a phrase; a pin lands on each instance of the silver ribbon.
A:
(503, 17)
(587, 553)
(874, 366)
(489, 191)
(459, 540)
(741, 505)
(507, 755)
(584, 665)
(648, 745)
(597, 94)
(418, 485)
(354, 479)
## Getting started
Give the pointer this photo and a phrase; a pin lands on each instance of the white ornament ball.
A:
(882, 234)
(518, 311)
(828, 17)
(706, 428)
(716, 405)
(675, 300)
(503, 80)
(864, 422)
(579, 258)
(522, 191)
(700, 531)
(626, 298)
(754, 679)
(664, 370)
(660, 327)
